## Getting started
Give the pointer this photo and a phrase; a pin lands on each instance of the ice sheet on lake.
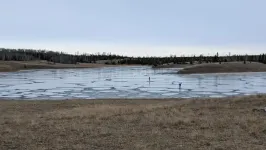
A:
(125, 82)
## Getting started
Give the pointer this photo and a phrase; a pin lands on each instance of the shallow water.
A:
(125, 82)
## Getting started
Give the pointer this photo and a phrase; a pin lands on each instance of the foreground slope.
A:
(228, 123)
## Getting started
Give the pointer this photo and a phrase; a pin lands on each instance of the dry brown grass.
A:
(224, 68)
(173, 66)
(227, 123)
(6, 66)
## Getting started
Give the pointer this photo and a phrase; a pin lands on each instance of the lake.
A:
(125, 82)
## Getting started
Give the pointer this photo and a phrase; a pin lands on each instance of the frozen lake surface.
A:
(125, 82)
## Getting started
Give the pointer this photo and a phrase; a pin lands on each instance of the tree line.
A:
(61, 57)
(51, 56)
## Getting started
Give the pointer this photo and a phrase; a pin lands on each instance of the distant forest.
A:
(60, 57)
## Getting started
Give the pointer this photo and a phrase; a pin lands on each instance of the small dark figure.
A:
(149, 79)
(180, 84)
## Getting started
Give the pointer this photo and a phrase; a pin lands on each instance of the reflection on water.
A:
(125, 82)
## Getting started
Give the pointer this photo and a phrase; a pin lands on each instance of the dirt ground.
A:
(6, 66)
(224, 68)
(172, 66)
(215, 124)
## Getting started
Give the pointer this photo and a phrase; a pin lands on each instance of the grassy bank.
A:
(172, 66)
(224, 68)
(7, 66)
(227, 123)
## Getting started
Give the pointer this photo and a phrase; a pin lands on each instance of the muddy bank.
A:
(224, 68)
(172, 66)
(9, 66)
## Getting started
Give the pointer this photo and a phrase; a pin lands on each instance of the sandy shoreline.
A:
(10, 66)
(225, 123)
(172, 66)
(224, 67)
(232, 67)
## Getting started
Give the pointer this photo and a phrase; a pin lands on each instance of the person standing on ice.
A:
(180, 84)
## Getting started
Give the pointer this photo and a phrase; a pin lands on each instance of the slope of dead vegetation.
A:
(227, 123)
(6, 66)
(224, 68)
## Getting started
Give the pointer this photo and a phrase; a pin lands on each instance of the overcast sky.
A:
(135, 27)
